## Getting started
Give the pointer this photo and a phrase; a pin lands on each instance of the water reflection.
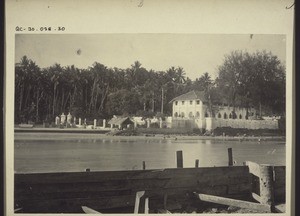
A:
(129, 153)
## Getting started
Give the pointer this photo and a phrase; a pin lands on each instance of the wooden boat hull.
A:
(114, 191)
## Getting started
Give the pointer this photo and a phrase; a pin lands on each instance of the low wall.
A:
(183, 123)
(166, 131)
(213, 123)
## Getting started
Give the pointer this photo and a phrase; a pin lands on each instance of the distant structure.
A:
(194, 111)
(120, 122)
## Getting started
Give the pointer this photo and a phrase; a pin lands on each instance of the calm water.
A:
(58, 152)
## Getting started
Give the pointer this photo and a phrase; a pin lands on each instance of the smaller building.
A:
(121, 122)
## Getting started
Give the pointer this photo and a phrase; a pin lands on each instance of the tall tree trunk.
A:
(94, 107)
(233, 101)
(49, 107)
(37, 105)
(162, 101)
(62, 100)
(86, 99)
(27, 96)
(54, 98)
(21, 97)
(66, 101)
(260, 109)
(72, 99)
(92, 96)
(153, 102)
(101, 107)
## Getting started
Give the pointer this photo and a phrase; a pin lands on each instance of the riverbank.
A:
(61, 130)
(87, 134)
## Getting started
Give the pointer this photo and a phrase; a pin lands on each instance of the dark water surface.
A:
(62, 153)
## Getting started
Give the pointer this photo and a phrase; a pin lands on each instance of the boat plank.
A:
(234, 202)
(73, 177)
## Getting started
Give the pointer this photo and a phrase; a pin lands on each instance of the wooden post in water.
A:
(197, 163)
(179, 159)
(144, 165)
(230, 158)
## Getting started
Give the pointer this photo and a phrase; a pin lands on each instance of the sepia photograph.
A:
(149, 123)
(149, 107)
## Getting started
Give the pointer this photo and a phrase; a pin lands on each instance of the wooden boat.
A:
(116, 191)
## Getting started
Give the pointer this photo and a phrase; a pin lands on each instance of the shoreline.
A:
(85, 134)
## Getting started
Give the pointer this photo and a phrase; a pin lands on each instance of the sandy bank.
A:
(75, 134)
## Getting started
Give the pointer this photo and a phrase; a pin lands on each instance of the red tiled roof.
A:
(192, 95)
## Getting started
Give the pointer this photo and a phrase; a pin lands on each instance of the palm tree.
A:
(180, 75)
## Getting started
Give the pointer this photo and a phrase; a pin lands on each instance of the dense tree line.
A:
(256, 80)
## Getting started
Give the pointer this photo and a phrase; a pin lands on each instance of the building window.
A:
(225, 116)
(240, 116)
(234, 115)
(182, 114)
(230, 116)
(198, 102)
(182, 102)
(219, 115)
(176, 114)
(197, 114)
(176, 102)
(191, 102)
(206, 114)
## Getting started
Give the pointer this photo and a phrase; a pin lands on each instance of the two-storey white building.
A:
(190, 105)
(192, 110)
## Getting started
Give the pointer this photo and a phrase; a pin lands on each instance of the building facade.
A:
(193, 110)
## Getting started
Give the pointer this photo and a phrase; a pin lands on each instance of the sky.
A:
(195, 53)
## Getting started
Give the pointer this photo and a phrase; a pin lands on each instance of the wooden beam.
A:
(280, 208)
(147, 205)
(265, 173)
(267, 184)
(256, 197)
(138, 196)
(88, 210)
(17, 209)
(233, 202)
(254, 168)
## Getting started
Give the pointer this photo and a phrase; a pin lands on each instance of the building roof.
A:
(119, 120)
(192, 95)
